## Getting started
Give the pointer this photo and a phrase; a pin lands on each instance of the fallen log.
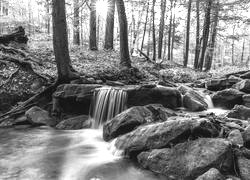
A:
(17, 36)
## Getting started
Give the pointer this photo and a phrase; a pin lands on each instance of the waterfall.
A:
(107, 103)
(209, 101)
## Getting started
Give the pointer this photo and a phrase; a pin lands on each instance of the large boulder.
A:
(125, 122)
(217, 84)
(243, 86)
(75, 123)
(143, 95)
(190, 159)
(246, 137)
(38, 116)
(245, 75)
(133, 117)
(164, 134)
(212, 174)
(227, 98)
(239, 112)
(194, 101)
(73, 98)
(244, 167)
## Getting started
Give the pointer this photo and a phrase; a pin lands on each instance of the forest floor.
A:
(99, 65)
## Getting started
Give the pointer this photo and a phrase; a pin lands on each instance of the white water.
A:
(107, 103)
(47, 154)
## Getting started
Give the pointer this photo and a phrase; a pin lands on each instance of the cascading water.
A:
(107, 103)
(209, 101)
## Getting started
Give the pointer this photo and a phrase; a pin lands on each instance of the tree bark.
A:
(123, 25)
(92, 36)
(145, 27)
(205, 35)
(161, 28)
(153, 26)
(60, 42)
(170, 30)
(211, 46)
(243, 51)
(109, 32)
(197, 48)
(76, 31)
(187, 34)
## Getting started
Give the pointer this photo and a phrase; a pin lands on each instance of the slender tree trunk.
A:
(211, 46)
(187, 34)
(173, 39)
(233, 42)
(60, 42)
(124, 49)
(149, 36)
(161, 28)
(145, 28)
(153, 26)
(170, 30)
(92, 36)
(48, 16)
(109, 32)
(197, 48)
(243, 51)
(205, 35)
(76, 32)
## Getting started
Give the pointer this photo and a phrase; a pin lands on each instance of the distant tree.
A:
(197, 46)
(161, 28)
(93, 30)
(60, 43)
(109, 32)
(145, 27)
(170, 30)
(153, 27)
(76, 31)
(187, 34)
(125, 61)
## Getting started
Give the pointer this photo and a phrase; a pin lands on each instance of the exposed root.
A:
(10, 78)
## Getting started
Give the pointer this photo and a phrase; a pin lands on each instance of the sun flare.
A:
(102, 8)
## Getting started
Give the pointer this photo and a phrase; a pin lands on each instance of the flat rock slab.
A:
(188, 160)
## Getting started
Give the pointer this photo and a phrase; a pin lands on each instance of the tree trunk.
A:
(153, 26)
(123, 24)
(145, 28)
(205, 35)
(170, 30)
(233, 42)
(161, 28)
(149, 35)
(187, 34)
(76, 31)
(47, 6)
(173, 39)
(109, 32)
(92, 36)
(60, 42)
(197, 48)
(243, 51)
(211, 46)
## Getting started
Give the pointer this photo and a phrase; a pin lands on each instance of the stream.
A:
(46, 154)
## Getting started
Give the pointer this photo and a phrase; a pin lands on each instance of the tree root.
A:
(10, 78)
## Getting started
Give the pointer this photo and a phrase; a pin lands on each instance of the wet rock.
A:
(144, 95)
(184, 89)
(245, 75)
(159, 113)
(236, 138)
(160, 135)
(244, 167)
(243, 86)
(189, 160)
(126, 122)
(239, 112)
(38, 116)
(212, 174)
(246, 100)
(227, 98)
(246, 137)
(75, 123)
(194, 101)
(74, 98)
(217, 84)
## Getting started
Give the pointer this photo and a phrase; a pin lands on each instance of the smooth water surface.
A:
(47, 154)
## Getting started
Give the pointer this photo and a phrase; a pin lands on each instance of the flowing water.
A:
(107, 103)
(47, 154)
